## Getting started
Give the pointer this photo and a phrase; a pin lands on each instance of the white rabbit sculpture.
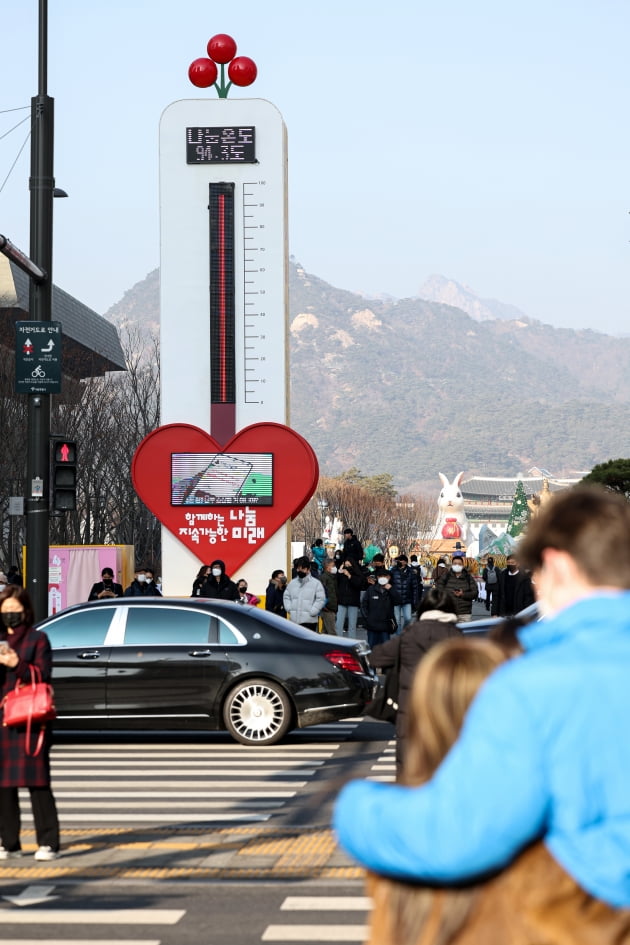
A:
(452, 521)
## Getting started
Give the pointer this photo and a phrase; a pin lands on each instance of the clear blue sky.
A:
(487, 141)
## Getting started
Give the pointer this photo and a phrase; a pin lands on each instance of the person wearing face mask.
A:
(106, 587)
(514, 591)
(137, 586)
(218, 585)
(436, 620)
(328, 577)
(274, 595)
(150, 584)
(439, 571)
(461, 586)
(304, 596)
(379, 601)
(244, 597)
(490, 577)
(21, 647)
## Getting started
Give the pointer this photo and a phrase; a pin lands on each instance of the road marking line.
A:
(80, 941)
(146, 805)
(176, 749)
(295, 757)
(244, 782)
(175, 795)
(326, 903)
(139, 763)
(157, 818)
(91, 916)
(315, 933)
(183, 773)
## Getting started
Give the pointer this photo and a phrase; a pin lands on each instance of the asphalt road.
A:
(255, 862)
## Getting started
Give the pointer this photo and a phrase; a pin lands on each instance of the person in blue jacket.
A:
(545, 748)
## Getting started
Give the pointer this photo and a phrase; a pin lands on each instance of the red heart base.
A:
(232, 532)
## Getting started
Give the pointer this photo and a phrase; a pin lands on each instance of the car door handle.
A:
(89, 655)
(200, 653)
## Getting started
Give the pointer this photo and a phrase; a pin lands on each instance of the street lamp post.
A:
(42, 185)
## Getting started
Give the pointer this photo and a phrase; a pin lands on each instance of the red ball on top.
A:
(221, 48)
(203, 73)
(242, 70)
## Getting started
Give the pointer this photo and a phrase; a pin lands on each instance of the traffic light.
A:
(64, 475)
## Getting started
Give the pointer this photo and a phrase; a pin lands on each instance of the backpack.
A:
(491, 576)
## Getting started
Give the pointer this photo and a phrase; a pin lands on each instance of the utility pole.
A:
(41, 185)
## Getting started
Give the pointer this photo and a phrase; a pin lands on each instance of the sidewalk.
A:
(255, 852)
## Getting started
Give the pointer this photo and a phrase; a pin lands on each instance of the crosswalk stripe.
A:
(315, 933)
(139, 762)
(305, 751)
(98, 805)
(184, 773)
(90, 817)
(60, 782)
(183, 796)
(91, 916)
(327, 903)
(80, 941)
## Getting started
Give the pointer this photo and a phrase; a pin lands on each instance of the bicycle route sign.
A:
(37, 357)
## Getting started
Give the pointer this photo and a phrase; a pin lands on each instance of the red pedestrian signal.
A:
(64, 475)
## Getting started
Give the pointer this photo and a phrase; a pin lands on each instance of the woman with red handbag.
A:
(24, 762)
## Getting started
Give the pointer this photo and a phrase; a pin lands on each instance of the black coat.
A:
(274, 599)
(221, 589)
(415, 640)
(522, 590)
(100, 586)
(378, 608)
(352, 549)
(464, 582)
(405, 581)
(349, 588)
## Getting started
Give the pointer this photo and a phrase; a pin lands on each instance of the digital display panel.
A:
(232, 145)
(221, 479)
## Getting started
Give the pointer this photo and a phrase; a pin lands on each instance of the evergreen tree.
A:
(614, 475)
(519, 513)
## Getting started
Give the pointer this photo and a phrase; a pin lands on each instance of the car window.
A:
(226, 634)
(166, 625)
(83, 628)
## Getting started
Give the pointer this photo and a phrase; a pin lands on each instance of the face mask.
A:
(383, 580)
(107, 580)
(415, 564)
(512, 568)
(2, 587)
(11, 618)
(242, 590)
(302, 575)
(216, 572)
(333, 570)
(457, 568)
(141, 578)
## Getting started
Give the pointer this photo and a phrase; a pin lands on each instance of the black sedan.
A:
(200, 664)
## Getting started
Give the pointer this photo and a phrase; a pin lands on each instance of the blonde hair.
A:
(445, 684)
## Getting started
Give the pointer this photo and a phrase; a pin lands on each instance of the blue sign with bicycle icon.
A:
(38, 357)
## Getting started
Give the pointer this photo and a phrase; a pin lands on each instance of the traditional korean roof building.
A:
(488, 500)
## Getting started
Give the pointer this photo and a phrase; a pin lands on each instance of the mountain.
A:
(413, 387)
(439, 289)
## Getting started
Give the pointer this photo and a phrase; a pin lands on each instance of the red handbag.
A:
(28, 703)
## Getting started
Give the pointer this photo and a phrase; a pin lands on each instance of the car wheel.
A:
(257, 712)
